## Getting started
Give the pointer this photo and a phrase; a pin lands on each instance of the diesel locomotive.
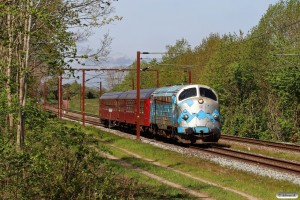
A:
(186, 113)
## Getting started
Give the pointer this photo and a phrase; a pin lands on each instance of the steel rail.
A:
(282, 165)
(284, 146)
(79, 116)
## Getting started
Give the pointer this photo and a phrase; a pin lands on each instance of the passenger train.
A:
(186, 113)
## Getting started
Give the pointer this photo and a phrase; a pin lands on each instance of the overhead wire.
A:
(94, 77)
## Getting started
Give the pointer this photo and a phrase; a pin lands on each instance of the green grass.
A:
(169, 175)
(261, 187)
(239, 180)
(152, 189)
(91, 105)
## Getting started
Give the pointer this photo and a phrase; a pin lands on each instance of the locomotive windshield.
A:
(190, 92)
(205, 92)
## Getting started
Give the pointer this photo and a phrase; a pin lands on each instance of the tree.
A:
(280, 25)
(42, 34)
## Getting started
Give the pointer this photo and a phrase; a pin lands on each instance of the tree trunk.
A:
(23, 78)
(8, 69)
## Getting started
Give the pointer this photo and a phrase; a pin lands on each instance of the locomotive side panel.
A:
(161, 111)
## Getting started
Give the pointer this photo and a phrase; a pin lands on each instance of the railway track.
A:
(283, 146)
(282, 165)
(274, 163)
(76, 116)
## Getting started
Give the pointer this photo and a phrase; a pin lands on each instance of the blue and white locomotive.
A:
(187, 113)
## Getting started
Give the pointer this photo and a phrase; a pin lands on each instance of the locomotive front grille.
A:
(194, 131)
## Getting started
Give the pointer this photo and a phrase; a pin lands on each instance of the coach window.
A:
(205, 92)
(121, 105)
(142, 107)
(190, 92)
(128, 105)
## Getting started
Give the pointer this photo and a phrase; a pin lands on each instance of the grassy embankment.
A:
(91, 105)
(258, 186)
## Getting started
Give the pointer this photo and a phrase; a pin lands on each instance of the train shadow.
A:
(172, 141)
(211, 145)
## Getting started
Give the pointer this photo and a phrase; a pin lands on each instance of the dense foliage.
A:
(58, 163)
(39, 38)
(257, 75)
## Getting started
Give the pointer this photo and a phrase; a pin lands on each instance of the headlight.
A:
(185, 117)
(200, 101)
(216, 116)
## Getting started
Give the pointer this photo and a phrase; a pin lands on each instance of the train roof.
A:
(168, 91)
(146, 93)
(111, 95)
(131, 94)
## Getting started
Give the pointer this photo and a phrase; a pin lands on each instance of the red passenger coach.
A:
(127, 107)
(123, 107)
(109, 107)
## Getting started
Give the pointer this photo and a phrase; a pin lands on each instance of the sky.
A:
(151, 25)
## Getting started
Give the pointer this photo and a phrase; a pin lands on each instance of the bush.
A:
(57, 163)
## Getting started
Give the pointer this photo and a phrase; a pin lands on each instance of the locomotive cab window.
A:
(204, 92)
(190, 92)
